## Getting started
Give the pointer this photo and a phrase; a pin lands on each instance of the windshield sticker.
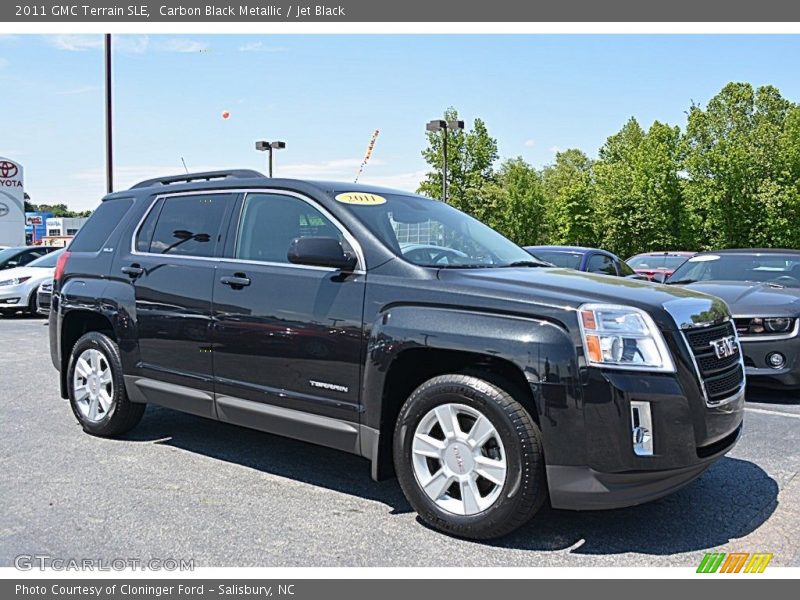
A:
(704, 258)
(361, 198)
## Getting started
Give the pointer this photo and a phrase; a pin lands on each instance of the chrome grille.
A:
(720, 378)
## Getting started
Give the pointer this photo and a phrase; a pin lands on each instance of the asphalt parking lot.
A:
(183, 487)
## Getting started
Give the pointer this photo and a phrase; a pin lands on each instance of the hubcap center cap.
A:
(458, 458)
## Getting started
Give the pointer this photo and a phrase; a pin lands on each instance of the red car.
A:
(658, 265)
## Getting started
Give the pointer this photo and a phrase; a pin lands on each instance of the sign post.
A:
(12, 204)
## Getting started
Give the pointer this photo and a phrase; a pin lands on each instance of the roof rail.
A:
(205, 176)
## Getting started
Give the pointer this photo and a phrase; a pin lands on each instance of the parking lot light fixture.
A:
(264, 146)
(444, 126)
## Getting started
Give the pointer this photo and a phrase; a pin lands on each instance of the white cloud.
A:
(402, 181)
(79, 90)
(127, 175)
(182, 45)
(554, 149)
(260, 47)
(76, 43)
(343, 168)
(3, 62)
(530, 143)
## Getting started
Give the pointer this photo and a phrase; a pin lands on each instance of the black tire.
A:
(122, 415)
(32, 308)
(525, 488)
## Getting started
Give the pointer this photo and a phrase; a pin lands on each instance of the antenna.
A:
(185, 168)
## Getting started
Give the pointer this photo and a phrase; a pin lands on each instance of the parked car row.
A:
(19, 285)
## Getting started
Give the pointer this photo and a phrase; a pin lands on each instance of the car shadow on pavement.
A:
(733, 498)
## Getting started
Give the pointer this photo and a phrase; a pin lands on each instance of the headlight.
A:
(623, 337)
(759, 325)
(14, 281)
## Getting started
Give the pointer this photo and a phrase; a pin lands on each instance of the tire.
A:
(484, 509)
(113, 413)
(32, 309)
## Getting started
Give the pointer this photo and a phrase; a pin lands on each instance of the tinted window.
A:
(600, 263)
(270, 222)
(31, 255)
(624, 269)
(189, 225)
(566, 260)
(48, 260)
(98, 228)
(145, 233)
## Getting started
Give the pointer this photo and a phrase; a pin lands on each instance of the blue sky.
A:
(325, 94)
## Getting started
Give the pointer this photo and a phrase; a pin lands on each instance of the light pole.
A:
(264, 146)
(109, 118)
(443, 126)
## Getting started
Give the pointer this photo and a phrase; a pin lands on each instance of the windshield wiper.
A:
(681, 281)
(528, 263)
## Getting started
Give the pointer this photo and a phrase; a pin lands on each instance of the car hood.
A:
(36, 274)
(568, 289)
(753, 299)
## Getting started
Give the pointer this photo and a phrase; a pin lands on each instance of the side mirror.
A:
(320, 252)
(660, 277)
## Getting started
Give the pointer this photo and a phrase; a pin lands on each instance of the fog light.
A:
(776, 360)
(642, 428)
(11, 300)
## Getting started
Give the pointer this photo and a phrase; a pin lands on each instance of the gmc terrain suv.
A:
(397, 328)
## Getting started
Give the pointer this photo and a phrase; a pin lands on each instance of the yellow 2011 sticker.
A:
(361, 198)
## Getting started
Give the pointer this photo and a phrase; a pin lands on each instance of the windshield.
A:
(8, 253)
(777, 269)
(656, 262)
(567, 260)
(48, 260)
(432, 234)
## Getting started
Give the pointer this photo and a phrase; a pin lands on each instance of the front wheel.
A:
(469, 457)
(96, 387)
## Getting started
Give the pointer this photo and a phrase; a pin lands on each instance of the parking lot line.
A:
(779, 413)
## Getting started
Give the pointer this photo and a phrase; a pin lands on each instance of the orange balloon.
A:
(226, 114)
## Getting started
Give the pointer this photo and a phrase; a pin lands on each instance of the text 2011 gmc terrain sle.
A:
(394, 327)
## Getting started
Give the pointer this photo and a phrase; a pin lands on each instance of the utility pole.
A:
(109, 119)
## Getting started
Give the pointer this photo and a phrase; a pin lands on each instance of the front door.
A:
(172, 272)
(288, 338)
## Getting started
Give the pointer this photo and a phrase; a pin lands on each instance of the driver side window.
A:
(270, 222)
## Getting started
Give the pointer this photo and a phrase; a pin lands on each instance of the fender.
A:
(542, 350)
(112, 299)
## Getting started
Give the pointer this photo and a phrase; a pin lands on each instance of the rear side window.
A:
(188, 225)
(98, 228)
(600, 263)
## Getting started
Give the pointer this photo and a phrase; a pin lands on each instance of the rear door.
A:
(172, 271)
(288, 338)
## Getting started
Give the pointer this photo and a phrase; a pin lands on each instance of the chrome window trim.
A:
(775, 337)
(736, 395)
(361, 264)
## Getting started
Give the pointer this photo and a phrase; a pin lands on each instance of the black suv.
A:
(394, 327)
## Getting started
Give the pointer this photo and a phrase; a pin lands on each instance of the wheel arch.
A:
(410, 344)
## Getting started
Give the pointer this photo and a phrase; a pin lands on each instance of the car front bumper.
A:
(687, 436)
(760, 374)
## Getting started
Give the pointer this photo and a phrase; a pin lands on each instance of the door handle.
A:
(133, 271)
(237, 281)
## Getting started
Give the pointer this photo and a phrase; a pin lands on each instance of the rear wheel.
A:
(469, 457)
(96, 387)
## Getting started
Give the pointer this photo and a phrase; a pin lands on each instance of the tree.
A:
(639, 201)
(740, 187)
(517, 204)
(568, 192)
(470, 156)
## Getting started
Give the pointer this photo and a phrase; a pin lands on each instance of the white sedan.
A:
(18, 286)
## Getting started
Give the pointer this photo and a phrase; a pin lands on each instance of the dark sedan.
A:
(591, 260)
(762, 289)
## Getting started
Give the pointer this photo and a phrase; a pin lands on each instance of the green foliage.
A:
(731, 180)
(569, 197)
(470, 174)
(742, 183)
(58, 210)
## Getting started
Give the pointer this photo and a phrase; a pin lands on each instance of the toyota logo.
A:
(8, 169)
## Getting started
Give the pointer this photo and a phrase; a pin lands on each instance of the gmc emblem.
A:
(724, 347)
